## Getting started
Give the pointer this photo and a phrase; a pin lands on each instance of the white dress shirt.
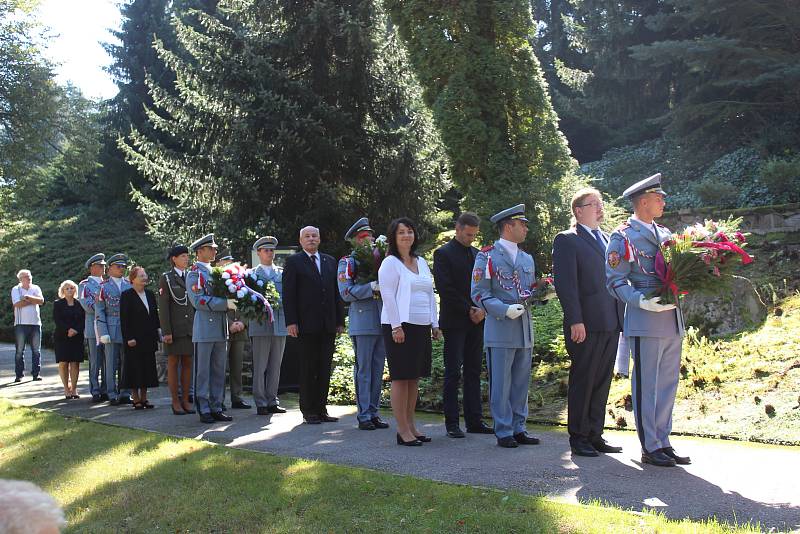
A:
(511, 247)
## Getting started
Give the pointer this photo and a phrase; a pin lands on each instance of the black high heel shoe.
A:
(412, 443)
(178, 412)
(423, 438)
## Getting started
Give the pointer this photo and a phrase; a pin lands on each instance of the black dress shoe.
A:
(507, 442)
(37, 378)
(18, 379)
(455, 432)
(480, 428)
(680, 460)
(240, 405)
(206, 418)
(191, 399)
(312, 420)
(379, 423)
(325, 418)
(125, 400)
(366, 425)
(276, 409)
(104, 397)
(219, 416)
(262, 410)
(178, 412)
(601, 446)
(657, 458)
(97, 398)
(582, 448)
(524, 439)
(423, 438)
(114, 402)
(412, 443)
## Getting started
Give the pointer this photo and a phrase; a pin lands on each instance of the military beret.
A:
(361, 225)
(177, 250)
(517, 212)
(268, 242)
(118, 259)
(648, 185)
(97, 258)
(205, 241)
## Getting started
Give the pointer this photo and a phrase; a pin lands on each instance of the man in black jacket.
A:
(592, 322)
(314, 315)
(462, 325)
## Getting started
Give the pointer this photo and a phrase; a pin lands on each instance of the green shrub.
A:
(781, 176)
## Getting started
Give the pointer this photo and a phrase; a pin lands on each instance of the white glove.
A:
(231, 304)
(515, 310)
(105, 340)
(375, 287)
(653, 305)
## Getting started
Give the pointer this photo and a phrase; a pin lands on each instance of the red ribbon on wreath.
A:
(726, 246)
(666, 275)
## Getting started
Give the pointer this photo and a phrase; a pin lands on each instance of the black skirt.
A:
(412, 358)
(138, 368)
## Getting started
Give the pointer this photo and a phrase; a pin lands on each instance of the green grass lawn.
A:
(111, 479)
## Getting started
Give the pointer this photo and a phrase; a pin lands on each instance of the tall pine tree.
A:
(287, 113)
(490, 103)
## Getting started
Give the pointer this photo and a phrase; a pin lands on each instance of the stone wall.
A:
(760, 220)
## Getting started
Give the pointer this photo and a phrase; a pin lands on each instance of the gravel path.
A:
(734, 481)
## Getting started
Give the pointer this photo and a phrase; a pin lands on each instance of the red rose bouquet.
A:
(700, 259)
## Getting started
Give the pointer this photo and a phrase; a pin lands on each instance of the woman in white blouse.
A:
(409, 320)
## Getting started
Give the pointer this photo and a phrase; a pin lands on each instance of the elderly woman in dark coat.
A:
(138, 314)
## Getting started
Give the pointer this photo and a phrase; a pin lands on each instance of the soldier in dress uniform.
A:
(365, 330)
(237, 339)
(209, 333)
(268, 338)
(108, 326)
(177, 316)
(88, 291)
(654, 330)
(502, 281)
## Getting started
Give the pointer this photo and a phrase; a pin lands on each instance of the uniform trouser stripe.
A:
(637, 369)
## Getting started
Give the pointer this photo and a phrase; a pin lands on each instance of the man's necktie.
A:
(599, 240)
(316, 264)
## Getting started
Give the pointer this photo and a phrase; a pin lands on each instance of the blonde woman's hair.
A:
(64, 285)
(578, 198)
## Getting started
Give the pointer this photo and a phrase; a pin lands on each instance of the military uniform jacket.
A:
(174, 310)
(496, 284)
(365, 309)
(278, 326)
(88, 291)
(106, 309)
(630, 273)
(210, 318)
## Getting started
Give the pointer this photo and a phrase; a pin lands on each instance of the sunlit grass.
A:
(111, 479)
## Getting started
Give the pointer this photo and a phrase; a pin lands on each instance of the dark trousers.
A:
(463, 348)
(316, 357)
(589, 382)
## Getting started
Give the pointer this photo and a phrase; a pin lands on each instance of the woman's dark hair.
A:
(391, 236)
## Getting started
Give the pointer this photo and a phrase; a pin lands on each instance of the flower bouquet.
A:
(262, 299)
(543, 289)
(253, 300)
(368, 257)
(700, 259)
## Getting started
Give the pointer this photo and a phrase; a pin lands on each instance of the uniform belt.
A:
(507, 301)
(655, 284)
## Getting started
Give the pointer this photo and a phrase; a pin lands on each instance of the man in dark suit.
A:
(592, 322)
(462, 325)
(314, 315)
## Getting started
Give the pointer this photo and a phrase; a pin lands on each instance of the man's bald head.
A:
(309, 239)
